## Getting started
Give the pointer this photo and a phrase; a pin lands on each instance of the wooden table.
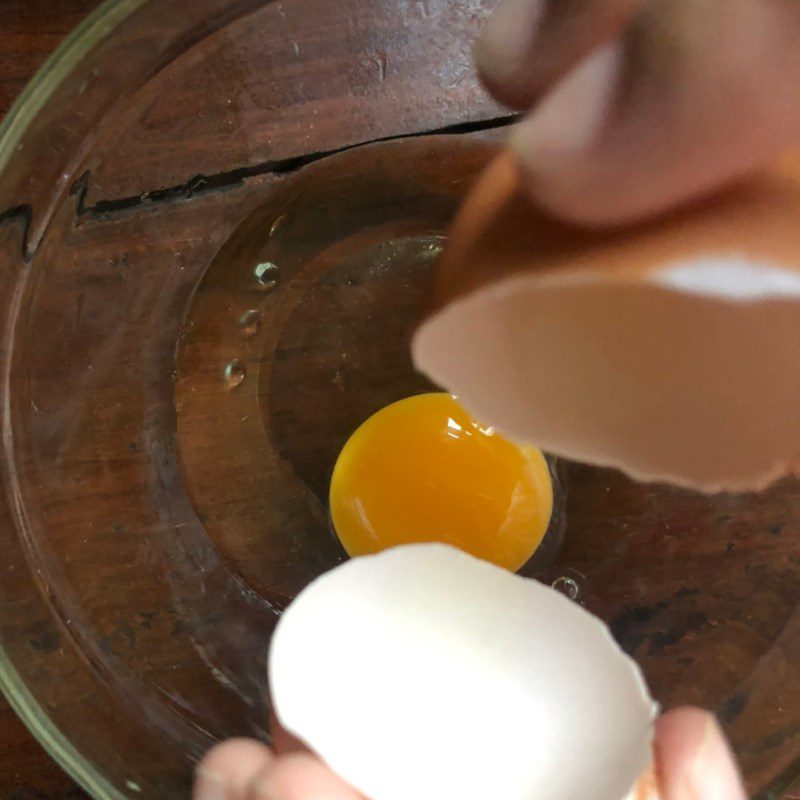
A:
(28, 34)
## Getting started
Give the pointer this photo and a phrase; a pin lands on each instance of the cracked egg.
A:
(424, 672)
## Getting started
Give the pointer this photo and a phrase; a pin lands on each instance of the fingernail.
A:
(571, 116)
(714, 774)
(209, 785)
(508, 38)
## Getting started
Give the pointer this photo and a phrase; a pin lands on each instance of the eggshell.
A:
(422, 672)
(669, 350)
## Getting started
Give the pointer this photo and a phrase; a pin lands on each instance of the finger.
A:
(693, 760)
(299, 776)
(692, 96)
(227, 770)
(528, 44)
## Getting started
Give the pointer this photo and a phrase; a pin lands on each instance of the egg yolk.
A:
(422, 470)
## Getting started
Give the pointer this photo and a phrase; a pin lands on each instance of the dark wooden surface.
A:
(751, 552)
(28, 773)
(28, 34)
(273, 102)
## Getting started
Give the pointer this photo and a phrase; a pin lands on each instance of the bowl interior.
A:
(206, 290)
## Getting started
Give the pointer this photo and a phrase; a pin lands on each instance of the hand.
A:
(634, 106)
(693, 762)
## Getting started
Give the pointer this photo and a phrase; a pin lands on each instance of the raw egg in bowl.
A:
(423, 470)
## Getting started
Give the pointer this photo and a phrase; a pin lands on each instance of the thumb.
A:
(693, 760)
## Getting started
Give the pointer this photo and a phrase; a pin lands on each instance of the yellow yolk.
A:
(422, 470)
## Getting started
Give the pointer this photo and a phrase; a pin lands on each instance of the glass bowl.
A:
(218, 219)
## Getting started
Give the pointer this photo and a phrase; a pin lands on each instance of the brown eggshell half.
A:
(671, 350)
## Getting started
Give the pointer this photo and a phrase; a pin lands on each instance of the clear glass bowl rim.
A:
(97, 25)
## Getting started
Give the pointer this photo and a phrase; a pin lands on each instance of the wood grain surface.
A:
(750, 550)
(387, 78)
(28, 34)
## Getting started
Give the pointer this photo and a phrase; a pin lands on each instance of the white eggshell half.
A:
(424, 673)
(687, 372)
